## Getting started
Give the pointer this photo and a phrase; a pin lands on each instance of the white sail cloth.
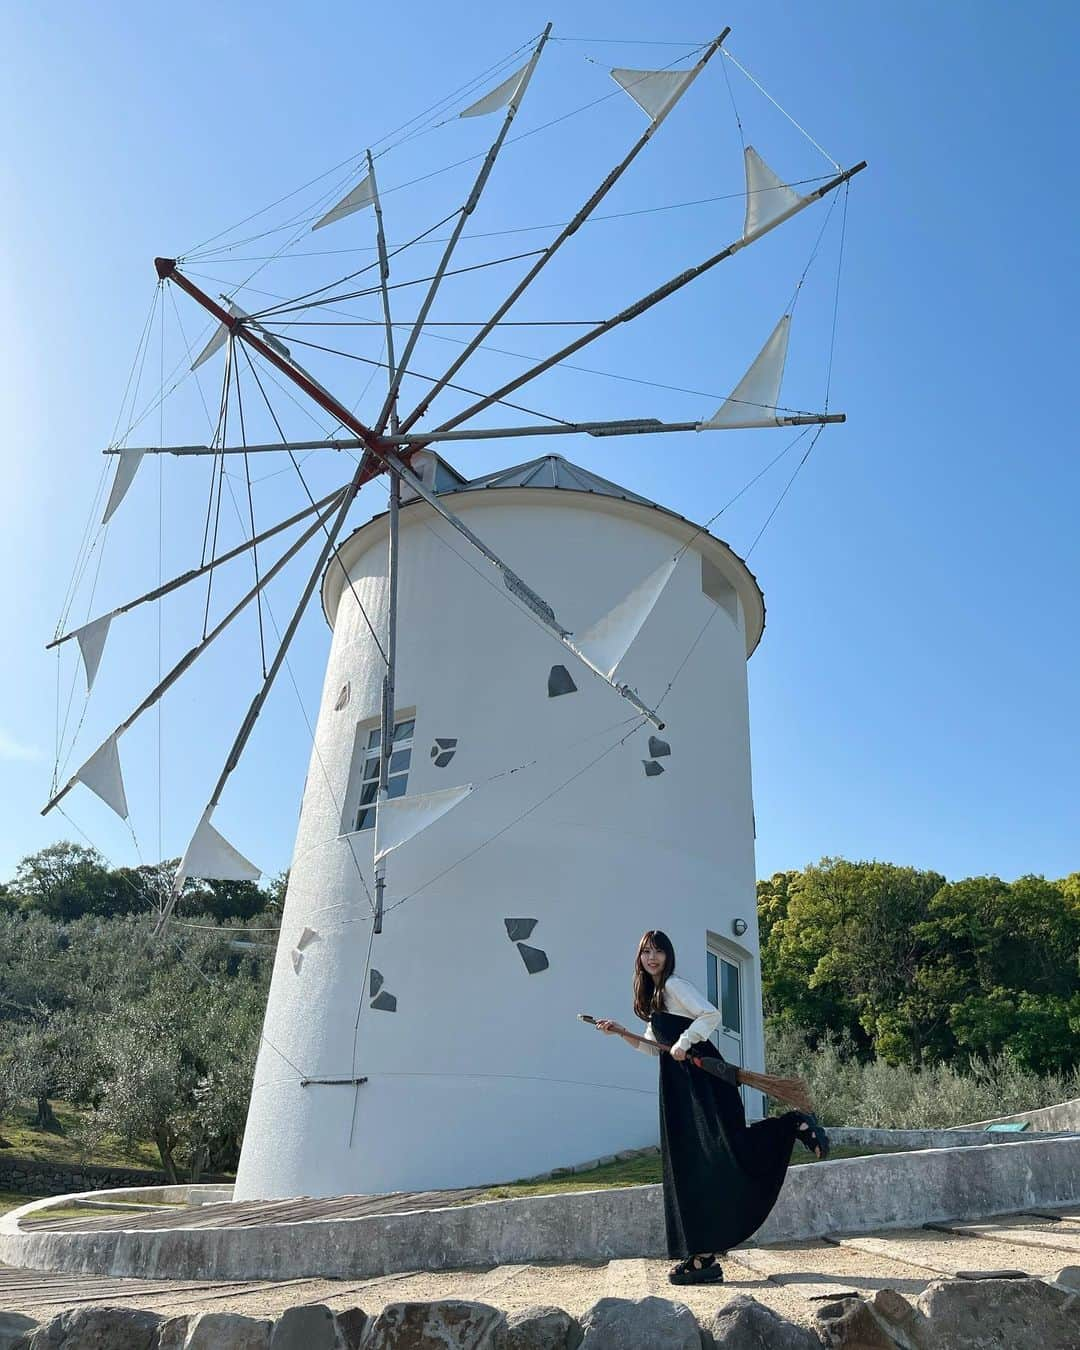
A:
(607, 641)
(768, 198)
(362, 195)
(758, 392)
(91, 639)
(221, 333)
(654, 91)
(498, 98)
(101, 774)
(127, 461)
(211, 857)
(398, 819)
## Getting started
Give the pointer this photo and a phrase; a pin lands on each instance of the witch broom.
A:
(794, 1091)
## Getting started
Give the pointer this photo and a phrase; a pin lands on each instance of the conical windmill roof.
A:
(555, 473)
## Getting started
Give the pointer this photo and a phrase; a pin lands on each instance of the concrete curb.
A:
(851, 1195)
(860, 1136)
(1062, 1116)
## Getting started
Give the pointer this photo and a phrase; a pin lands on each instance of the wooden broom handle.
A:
(633, 1036)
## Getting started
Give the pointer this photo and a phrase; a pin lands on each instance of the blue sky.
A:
(914, 698)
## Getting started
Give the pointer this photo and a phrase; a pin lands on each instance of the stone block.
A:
(991, 1314)
(13, 1327)
(227, 1331)
(641, 1324)
(540, 1328)
(97, 1329)
(172, 1334)
(885, 1322)
(352, 1323)
(746, 1324)
(445, 1324)
(306, 1328)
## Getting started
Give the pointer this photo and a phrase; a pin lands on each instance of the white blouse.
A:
(684, 1000)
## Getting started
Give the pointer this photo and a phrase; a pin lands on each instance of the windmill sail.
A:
(399, 819)
(607, 641)
(221, 333)
(768, 197)
(126, 463)
(362, 195)
(497, 98)
(91, 639)
(211, 857)
(101, 774)
(654, 91)
(758, 392)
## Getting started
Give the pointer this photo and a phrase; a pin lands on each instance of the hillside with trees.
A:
(154, 1038)
(905, 998)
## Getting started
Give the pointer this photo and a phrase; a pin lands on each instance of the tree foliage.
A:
(919, 971)
(157, 1036)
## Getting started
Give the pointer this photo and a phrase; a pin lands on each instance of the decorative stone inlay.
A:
(652, 769)
(443, 751)
(535, 960)
(517, 930)
(560, 682)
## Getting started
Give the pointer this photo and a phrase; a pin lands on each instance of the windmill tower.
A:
(444, 1051)
(510, 779)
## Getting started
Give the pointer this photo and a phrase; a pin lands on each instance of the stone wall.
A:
(32, 1177)
(1063, 1116)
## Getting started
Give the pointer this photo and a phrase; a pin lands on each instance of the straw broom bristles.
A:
(794, 1091)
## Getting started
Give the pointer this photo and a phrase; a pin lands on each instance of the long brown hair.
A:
(649, 994)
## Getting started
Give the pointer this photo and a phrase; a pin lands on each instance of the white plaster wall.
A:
(483, 1073)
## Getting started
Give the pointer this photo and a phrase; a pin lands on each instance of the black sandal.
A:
(697, 1270)
(812, 1136)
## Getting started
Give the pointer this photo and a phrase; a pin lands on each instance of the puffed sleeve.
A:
(707, 1019)
(647, 1049)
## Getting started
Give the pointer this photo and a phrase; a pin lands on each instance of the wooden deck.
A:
(251, 1213)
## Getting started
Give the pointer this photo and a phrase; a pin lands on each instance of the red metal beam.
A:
(373, 462)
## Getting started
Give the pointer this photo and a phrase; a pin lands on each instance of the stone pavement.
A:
(792, 1278)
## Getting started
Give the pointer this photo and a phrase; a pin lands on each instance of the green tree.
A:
(176, 1066)
(840, 953)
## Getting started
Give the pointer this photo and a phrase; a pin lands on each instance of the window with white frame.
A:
(369, 745)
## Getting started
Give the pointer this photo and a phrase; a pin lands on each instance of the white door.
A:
(725, 992)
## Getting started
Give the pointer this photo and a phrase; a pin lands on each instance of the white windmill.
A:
(493, 807)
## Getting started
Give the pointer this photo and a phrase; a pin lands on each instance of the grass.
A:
(10, 1200)
(635, 1172)
(66, 1149)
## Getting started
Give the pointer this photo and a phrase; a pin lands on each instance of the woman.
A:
(721, 1176)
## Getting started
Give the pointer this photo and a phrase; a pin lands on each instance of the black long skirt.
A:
(721, 1176)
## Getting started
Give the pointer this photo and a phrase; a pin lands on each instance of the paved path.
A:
(789, 1277)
